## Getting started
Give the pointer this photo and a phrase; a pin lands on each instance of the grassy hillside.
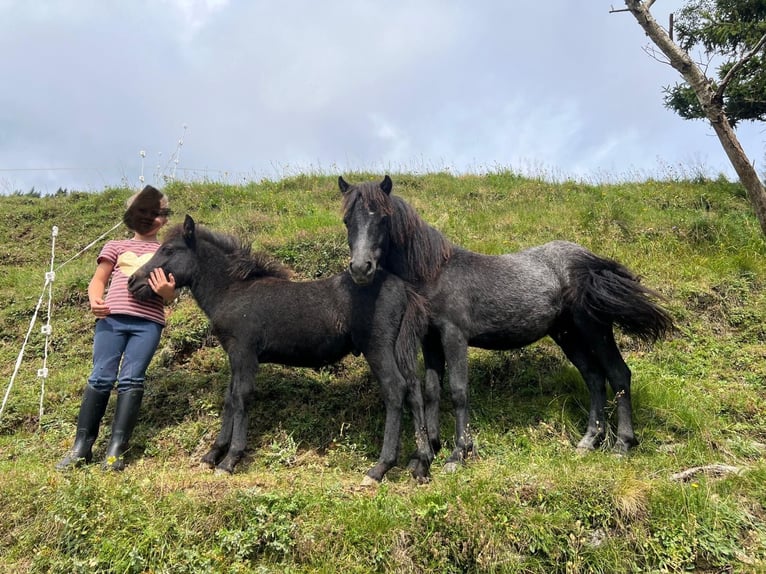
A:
(528, 503)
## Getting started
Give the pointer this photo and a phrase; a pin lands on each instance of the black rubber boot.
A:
(92, 411)
(125, 418)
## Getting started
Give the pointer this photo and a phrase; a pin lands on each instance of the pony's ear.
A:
(189, 229)
(342, 184)
(387, 185)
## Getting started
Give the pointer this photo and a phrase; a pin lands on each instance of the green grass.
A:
(528, 503)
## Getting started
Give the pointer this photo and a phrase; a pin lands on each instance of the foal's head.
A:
(194, 254)
(176, 255)
(367, 209)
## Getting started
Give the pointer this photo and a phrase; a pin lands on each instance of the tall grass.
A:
(528, 503)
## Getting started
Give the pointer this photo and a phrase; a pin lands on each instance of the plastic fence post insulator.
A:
(43, 373)
(50, 276)
(55, 231)
(46, 329)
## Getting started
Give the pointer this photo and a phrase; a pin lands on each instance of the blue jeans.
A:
(123, 347)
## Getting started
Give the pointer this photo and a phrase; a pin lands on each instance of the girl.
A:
(127, 331)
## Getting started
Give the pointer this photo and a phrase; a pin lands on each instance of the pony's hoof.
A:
(222, 472)
(369, 482)
(451, 467)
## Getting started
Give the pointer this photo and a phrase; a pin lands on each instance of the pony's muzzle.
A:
(362, 272)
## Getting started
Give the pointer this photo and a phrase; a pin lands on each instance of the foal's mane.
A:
(241, 263)
(423, 249)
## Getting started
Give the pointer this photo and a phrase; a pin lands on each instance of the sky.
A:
(100, 93)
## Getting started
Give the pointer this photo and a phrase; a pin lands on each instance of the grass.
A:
(528, 503)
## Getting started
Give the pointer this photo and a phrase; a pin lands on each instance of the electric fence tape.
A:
(46, 330)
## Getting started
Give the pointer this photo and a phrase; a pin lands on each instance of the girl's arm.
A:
(97, 287)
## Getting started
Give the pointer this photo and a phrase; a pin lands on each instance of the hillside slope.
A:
(528, 503)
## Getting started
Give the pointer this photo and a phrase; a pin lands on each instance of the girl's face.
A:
(152, 220)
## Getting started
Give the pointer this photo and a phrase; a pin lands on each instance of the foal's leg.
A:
(455, 349)
(421, 459)
(237, 407)
(433, 360)
(395, 389)
(576, 347)
(222, 440)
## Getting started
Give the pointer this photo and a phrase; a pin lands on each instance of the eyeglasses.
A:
(155, 213)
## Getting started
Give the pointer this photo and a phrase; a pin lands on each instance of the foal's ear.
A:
(342, 184)
(189, 229)
(387, 185)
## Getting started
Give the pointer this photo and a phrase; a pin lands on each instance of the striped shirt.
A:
(127, 255)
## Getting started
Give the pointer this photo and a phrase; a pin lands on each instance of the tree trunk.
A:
(712, 106)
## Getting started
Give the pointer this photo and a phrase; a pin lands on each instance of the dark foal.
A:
(260, 316)
(506, 301)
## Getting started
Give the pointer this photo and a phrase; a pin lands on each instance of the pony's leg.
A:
(239, 400)
(433, 360)
(576, 347)
(455, 349)
(619, 376)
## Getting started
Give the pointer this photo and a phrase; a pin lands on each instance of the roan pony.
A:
(260, 316)
(506, 301)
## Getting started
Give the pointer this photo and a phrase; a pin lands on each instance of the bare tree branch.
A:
(655, 54)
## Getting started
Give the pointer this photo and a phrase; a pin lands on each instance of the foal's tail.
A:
(413, 328)
(611, 293)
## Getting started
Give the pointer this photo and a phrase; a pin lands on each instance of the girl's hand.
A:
(99, 308)
(162, 285)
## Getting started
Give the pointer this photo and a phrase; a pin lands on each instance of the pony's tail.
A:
(611, 293)
(411, 332)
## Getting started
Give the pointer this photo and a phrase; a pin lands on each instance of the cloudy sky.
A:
(263, 89)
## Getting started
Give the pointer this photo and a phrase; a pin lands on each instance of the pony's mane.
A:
(242, 264)
(423, 249)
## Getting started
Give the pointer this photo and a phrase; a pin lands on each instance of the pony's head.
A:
(176, 255)
(367, 209)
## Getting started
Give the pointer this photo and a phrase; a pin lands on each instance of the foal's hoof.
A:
(451, 466)
(587, 444)
(222, 472)
(207, 461)
(419, 470)
(369, 482)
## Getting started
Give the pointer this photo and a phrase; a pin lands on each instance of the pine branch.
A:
(736, 67)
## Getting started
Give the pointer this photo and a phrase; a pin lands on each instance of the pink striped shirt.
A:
(127, 255)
